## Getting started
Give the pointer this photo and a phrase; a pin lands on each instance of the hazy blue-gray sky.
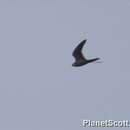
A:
(39, 89)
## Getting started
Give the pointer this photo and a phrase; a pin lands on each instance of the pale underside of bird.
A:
(80, 60)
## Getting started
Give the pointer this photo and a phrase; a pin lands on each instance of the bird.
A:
(80, 60)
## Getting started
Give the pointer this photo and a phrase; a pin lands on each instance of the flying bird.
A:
(80, 60)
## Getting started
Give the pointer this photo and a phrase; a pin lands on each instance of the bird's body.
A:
(79, 58)
(84, 62)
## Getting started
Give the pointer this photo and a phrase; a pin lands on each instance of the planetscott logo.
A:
(105, 123)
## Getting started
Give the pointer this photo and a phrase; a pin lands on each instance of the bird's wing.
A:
(77, 53)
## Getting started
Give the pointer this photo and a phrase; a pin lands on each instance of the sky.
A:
(39, 88)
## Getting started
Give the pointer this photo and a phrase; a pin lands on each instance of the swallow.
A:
(80, 60)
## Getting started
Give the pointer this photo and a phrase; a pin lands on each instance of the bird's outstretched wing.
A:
(77, 53)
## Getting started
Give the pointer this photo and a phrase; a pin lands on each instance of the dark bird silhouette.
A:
(79, 58)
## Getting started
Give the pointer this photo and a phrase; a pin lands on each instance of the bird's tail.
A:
(95, 59)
